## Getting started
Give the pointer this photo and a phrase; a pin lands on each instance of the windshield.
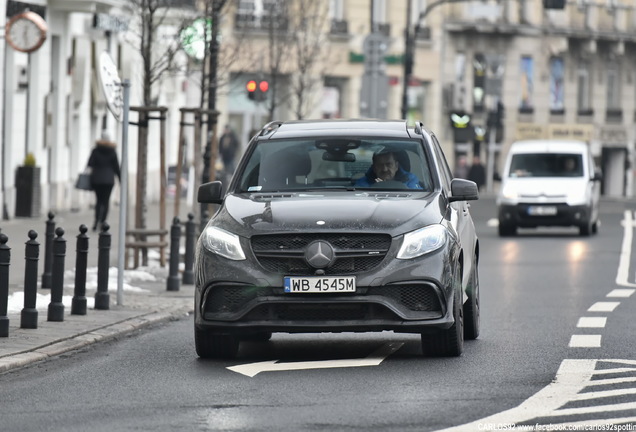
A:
(336, 163)
(546, 165)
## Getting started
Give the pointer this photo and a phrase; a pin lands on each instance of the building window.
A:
(613, 87)
(336, 16)
(583, 89)
(527, 84)
(556, 84)
(261, 14)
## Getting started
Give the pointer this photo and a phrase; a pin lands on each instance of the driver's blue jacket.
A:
(409, 179)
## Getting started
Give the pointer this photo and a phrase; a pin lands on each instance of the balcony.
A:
(614, 115)
(339, 27)
(248, 21)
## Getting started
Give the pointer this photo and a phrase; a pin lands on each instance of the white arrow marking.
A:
(374, 359)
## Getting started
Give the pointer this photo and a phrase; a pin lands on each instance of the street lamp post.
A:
(409, 49)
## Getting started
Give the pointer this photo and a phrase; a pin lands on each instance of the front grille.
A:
(412, 301)
(284, 254)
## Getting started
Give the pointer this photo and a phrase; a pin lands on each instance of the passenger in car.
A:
(386, 167)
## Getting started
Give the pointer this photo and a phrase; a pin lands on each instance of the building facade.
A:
(508, 66)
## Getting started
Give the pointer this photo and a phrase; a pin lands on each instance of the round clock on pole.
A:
(26, 31)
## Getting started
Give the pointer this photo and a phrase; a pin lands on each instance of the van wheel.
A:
(587, 229)
(506, 230)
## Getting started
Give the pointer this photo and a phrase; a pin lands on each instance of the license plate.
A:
(542, 210)
(317, 284)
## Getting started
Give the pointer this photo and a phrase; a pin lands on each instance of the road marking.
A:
(374, 359)
(603, 307)
(572, 380)
(626, 251)
(592, 322)
(585, 341)
(621, 293)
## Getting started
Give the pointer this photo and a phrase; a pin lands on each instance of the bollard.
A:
(5, 260)
(78, 305)
(49, 235)
(188, 275)
(102, 298)
(56, 306)
(29, 314)
(175, 235)
(205, 216)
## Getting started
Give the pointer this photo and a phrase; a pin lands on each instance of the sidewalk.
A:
(145, 298)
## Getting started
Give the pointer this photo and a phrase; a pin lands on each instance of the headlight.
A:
(422, 241)
(223, 243)
(509, 192)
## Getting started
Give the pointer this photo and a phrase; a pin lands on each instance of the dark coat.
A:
(104, 165)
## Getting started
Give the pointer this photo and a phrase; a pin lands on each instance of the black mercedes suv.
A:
(338, 226)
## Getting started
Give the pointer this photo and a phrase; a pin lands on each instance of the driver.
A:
(386, 167)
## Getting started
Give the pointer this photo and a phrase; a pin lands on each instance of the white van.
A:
(549, 183)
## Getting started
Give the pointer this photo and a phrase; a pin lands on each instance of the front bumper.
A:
(240, 297)
(566, 215)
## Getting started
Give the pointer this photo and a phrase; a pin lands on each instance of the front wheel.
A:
(449, 342)
(211, 345)
(471, 307)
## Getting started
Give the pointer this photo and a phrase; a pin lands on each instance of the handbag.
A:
(84, 181)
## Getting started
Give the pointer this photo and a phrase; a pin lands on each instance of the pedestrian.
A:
(104, 167)
(477, 172)
(461, 170)
(228, 147)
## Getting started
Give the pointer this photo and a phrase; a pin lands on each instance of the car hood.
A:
(393, 213)
(548, 187)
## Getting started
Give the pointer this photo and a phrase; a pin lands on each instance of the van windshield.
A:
(546, 165)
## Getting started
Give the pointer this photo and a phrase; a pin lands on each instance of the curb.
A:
(97, 335)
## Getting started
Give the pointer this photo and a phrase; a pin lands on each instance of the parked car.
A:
(338, 226)
(549, 183)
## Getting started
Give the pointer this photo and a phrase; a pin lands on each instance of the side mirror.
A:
(210, 193)
(598, 175)
(463, 190)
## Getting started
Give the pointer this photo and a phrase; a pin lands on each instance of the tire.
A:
(472, 306)
(506, 230)
(586, 229)
(211, 345)
(449, 342)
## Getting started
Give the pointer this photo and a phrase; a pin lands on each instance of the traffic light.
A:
(263, 86)
(251, 89)
(257, 91)
(554, 4)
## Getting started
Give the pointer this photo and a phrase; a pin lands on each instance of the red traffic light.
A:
(251, 86)
(263, 86)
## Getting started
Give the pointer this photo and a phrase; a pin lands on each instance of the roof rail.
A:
(269, 127)
(418, 128)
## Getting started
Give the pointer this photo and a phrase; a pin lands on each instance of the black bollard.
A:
(56, 307)
(102, 298)
(175, 236)
(5, 260)
(205, 215)
(188, 275)
(29, 314)
(49, 235)
(78, 306)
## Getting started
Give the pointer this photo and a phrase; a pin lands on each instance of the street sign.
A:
(109, 81)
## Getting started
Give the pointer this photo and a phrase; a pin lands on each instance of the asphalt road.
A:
(544, 293)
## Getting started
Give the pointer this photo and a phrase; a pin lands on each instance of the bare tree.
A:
(154, 37)
(308, 28)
